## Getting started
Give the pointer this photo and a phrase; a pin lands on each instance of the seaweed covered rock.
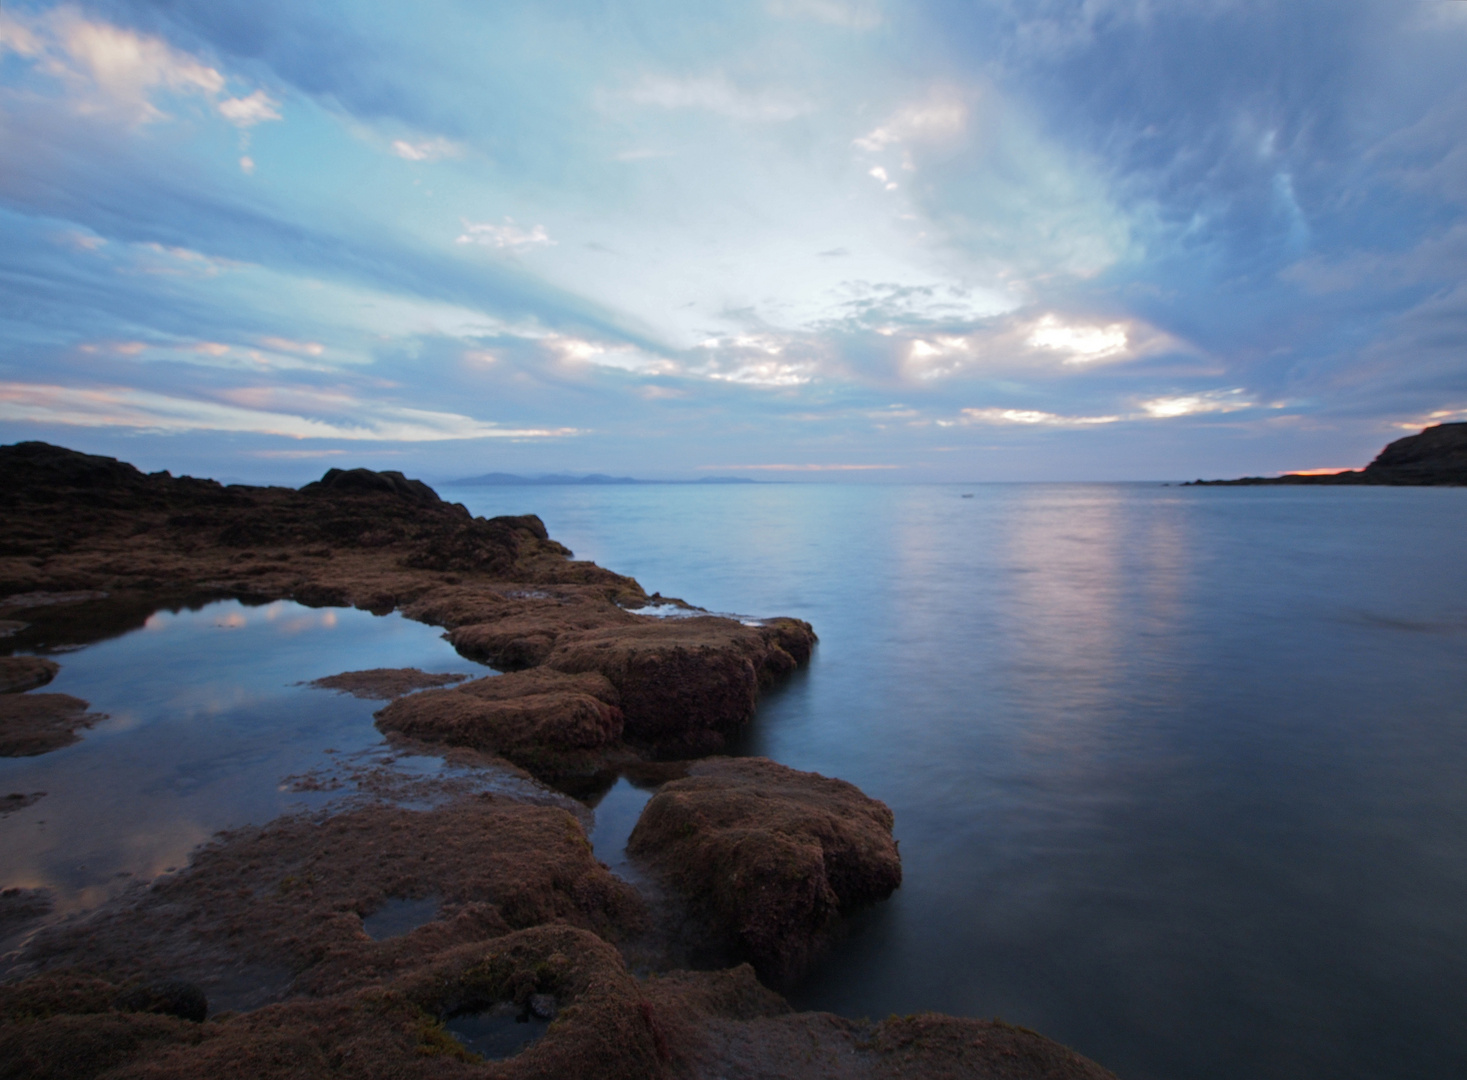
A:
(606, 1029)
(21, 673)
(686, 684)
(384, 684)
(544, 720)
(262, 912)
(768, 856)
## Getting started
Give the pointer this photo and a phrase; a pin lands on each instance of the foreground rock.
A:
(91, 539)
(1437, 457)
(610, 1026)
(770, 857)
(270, 912)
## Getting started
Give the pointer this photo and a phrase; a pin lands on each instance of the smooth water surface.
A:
(207, 719)
(1179, 774)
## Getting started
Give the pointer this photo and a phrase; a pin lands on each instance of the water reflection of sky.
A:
(206, 719)
(1177, 773)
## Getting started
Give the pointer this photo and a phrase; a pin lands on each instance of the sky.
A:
(792, 239)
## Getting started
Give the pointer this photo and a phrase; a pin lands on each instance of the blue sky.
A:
(797, 239)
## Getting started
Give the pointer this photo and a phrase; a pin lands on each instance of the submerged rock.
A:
(768, 856)
(32, 724)
(384, 684)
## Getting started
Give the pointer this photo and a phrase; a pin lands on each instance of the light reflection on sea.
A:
(1177, 773)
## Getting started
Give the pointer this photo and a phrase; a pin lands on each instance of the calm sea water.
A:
(1180, 775)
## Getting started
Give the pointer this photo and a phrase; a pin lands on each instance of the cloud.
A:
(1083, 344)
(1212, 401)
(509, 235)
(244, 112)
(165, 413)
(1029, 417)
(108, 68)
(942, 118)
(716, 94)
(300, 348)
(434, 149)
(852, 14)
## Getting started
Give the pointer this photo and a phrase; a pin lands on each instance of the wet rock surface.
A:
(384, 684)
(265, 913)
(1435, 457)
(546, 721)
(771, 857)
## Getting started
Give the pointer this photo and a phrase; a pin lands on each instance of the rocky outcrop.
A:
(1436, 457)
(544, 720)
(686, 684)
(122, 543)
(21, 673)
(768, 856)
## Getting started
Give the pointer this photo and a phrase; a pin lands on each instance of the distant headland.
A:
(512, 480)
(1437, 457)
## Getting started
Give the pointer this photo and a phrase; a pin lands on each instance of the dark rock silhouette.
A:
(1436, 457)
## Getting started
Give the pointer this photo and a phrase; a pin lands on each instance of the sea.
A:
(1179, 774)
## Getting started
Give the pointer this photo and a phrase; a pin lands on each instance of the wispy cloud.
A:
(716, 94)
(163, 413)
(508, 235)
(434, 149)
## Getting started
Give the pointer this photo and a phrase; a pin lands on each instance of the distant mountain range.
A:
(512, 480)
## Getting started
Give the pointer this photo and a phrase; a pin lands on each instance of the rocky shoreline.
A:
(492, 904)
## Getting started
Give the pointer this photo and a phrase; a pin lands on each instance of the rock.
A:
(11, 627)
(32, 724)
(286, 902)
(769, 857)
(167, 997)
(384, 684)
(19, 800)
(83, 527)
(543, 720)
(686, 684)
(1435, 457)
(21, 673)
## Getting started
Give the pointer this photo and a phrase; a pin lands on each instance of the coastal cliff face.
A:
(1436, 457)
(276, 924)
